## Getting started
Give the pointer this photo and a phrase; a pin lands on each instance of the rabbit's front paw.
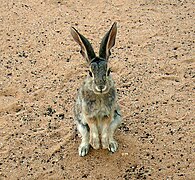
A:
(94, 141)
(113, 146)
(105, 143)
(83, 149)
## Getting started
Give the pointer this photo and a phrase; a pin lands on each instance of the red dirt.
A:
(153, 65)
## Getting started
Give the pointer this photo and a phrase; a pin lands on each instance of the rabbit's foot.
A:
(113, 146)
(95, 142)
(83, 149)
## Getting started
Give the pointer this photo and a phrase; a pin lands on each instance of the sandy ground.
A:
(153, 64)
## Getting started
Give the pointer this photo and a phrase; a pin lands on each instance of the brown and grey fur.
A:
(96, 111)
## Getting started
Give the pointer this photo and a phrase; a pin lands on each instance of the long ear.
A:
(108, 42)
(86, 48)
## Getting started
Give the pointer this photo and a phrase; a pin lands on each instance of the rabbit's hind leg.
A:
(113, 145)
(84, 146)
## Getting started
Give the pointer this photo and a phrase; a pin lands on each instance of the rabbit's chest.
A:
(100, 107)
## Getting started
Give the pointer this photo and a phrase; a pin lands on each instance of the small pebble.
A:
(125, 154)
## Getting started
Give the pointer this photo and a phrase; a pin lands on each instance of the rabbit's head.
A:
(99, 73)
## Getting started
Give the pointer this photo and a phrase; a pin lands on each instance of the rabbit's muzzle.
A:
(101, 89)
(100, 86)
(100, 77)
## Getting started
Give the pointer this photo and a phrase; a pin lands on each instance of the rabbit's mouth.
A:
(100, 89)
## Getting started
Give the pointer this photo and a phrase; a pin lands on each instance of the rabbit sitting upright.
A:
(97, 113)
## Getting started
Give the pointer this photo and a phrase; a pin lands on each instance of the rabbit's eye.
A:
(90, 73)
(109, 71)
(93, 66)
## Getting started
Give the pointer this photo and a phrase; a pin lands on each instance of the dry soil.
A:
(153, 65)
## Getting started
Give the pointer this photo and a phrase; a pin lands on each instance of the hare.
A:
(96, 111)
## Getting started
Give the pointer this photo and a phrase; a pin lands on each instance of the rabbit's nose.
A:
(101, 88)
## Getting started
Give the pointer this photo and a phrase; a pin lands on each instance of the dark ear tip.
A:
(114, 24)
(72, 29)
